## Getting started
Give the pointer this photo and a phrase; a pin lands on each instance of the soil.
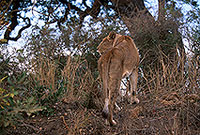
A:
(145, 118)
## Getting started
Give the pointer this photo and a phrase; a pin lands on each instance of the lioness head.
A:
(108, 42)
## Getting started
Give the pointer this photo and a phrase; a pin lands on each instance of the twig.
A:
(6, 10)
(64, 122)
(27, 125)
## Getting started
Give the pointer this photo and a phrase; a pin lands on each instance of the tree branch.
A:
(2, 15)
(14, 21)
(7, 36)
(161, 10)
(129, 8)
(13, 24)
(94, 11)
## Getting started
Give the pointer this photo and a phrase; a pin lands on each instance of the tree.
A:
(10, 13)
(152, 36)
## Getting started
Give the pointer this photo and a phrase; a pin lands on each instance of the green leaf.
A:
(10, 82)
(35, 109)
(7, 123)
(14, 79)
(20, 50)
(6, 102)
(15, 93)
(22, 78)
(3, 78)
(12, 95)
(30, 100)
(1, 106)
(7, 95)
(3, 41)
(2, 90)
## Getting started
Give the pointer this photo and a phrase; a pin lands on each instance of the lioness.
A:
(119, 59)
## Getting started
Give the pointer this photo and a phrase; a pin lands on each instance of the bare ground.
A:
(150, 117)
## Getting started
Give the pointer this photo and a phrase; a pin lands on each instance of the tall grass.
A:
(75, 78)
(170, 100)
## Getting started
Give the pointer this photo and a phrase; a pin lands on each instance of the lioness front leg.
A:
(133, 83)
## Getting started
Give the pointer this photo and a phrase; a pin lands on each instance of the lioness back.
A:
(130, 53)
(119, 58)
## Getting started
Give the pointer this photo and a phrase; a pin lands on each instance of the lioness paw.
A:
(136, 100)
(113, 123)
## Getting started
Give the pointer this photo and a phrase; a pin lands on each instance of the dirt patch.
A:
(149, 117)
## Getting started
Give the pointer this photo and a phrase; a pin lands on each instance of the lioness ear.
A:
(112, 35)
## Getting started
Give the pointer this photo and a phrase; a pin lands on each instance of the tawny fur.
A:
(119, 59)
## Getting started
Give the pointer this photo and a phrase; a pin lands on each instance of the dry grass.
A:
(45, 73)
(169, 95)
(76, 78)
(170, 100)
(80, 82)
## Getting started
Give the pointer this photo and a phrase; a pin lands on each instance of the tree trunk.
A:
(150, 35)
